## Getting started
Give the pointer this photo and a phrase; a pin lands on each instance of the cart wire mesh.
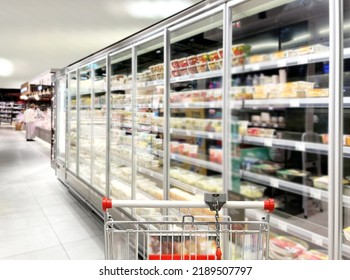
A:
(186, 240)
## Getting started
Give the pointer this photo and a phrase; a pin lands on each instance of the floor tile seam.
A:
(84, 226)
(84, 206)
(34, 226)
(22, 229)
(83, 239)
(92, 234)
(50, 224)
(29, 252)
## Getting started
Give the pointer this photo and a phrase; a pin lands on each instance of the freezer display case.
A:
(279, 123)
(195, 105)
(228, 96)
(120, 129)
(99, 126)
(85, 123)
(149, 123)
(72, 122)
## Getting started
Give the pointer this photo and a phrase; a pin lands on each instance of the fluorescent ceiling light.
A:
(325, 30)
(266, 45)
(155, 9)
(6, 67)
(301, 37)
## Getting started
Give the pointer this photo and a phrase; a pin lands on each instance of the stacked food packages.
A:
(206, 183)
(251, 190)
(185, 149)
(313, 255)
(287, 248)
(196, 96)
(211, 125)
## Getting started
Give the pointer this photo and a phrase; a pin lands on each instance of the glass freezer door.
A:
(149, 123)
(60, 96)
(99, 126)
(279, 100)
(72, 122)
(196, 109)
(85, 124)
(120, 172)
(346, 136)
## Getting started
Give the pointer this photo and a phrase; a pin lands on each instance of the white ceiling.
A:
(38, 35)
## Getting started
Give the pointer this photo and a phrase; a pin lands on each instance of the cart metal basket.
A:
(188, 237)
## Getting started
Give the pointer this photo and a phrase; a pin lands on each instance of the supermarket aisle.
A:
(39, 219)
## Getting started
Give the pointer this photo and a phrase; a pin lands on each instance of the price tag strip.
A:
(274, 183)
(317, 194)
(317, 239)
(300, 146)
(268, 142)
(283, 226)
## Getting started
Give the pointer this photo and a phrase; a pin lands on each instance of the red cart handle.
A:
(268, 205)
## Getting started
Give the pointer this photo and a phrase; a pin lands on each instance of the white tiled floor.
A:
(39, 219)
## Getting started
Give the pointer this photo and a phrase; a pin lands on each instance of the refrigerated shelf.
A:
(151, 173)
(286, 144)
(299, 228)
(285, 185)
(198, 162)
(185, 105)
(272, 103)
(202, 134)
(283, 62)
(197, 76)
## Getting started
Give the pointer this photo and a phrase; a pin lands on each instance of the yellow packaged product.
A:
(318, 92)
(295, 89)
(280, 55)
(272, 90)
(257, 58)
(259, 92)
(312, 49)
(302, 85)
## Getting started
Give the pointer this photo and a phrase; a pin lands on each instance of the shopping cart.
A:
(188, 237)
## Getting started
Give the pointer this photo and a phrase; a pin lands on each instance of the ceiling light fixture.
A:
(23, 97)
(155, 9)
(6, 67)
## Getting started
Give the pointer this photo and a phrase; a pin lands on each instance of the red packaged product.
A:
(175, 64)
(192, 69)
(202, 58)
(183, 62)
(214, 56)
(192, 60)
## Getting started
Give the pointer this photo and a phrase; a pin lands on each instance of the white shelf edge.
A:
(197, 162)
(195, 133)
(285, 185)
(284, 225)
(283, 143)
(197, 76)
(186, 187)
(185, 105)
(151, 173)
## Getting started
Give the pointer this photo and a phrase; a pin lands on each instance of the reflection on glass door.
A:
(85, 105)
(149, 123)
(99, 126)
(279, 100)
(196, 110)
(346, 136)
(121, 125)
(72, 122)
(61, 117)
